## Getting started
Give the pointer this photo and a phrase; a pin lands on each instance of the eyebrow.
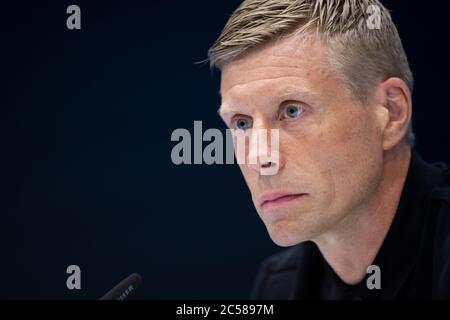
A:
(226, 108)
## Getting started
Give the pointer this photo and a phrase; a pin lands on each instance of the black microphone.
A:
(124, 288)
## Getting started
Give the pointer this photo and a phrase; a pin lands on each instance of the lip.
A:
(276, 198)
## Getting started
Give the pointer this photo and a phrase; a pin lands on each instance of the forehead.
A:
(295, 58)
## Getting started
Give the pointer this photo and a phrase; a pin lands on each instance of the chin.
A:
(284, 234)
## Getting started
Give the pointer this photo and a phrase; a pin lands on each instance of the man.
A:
(365, 216)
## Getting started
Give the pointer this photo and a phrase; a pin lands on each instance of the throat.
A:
(352, 246)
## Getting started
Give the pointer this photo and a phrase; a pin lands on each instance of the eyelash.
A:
(284, 106)
(236, 119)
(281, 110)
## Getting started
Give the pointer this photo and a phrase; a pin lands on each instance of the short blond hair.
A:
(362, 54)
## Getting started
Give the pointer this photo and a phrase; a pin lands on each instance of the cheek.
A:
(350, 160)
(340, 156)
(348, 134)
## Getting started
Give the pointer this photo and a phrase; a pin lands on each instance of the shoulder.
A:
(440, 201)
(283, 261)
(277, 273)
(440, 198)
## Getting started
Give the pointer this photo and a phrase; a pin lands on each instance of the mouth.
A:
(277, 198)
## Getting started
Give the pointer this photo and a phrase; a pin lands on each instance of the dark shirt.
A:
(414, 259)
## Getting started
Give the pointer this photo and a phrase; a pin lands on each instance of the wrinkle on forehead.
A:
(289, 56)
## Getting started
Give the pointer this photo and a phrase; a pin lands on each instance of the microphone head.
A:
(124, 288)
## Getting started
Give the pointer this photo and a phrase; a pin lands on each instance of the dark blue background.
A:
(86, 176)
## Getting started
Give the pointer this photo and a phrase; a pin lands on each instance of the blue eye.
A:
(292, 111)
(242, 124)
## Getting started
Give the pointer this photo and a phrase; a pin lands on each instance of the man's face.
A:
(330, 150)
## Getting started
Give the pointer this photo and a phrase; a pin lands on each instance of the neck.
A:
(353, 244)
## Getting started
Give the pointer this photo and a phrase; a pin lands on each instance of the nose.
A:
(264, 155)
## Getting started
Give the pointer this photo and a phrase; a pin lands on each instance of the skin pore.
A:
(345, 162)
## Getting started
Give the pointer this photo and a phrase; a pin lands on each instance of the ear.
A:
(394, 111)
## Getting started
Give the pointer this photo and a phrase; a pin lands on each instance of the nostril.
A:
(267, 165)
